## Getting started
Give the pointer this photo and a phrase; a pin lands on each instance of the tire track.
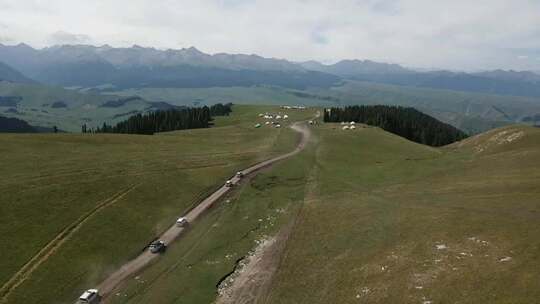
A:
(29, 267)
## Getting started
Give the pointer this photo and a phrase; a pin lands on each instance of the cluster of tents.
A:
(272, 119)
(348, 125)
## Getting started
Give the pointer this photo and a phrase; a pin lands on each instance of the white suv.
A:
(181, 222)
(91, 296)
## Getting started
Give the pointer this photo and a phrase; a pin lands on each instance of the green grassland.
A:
(396, 222)
(104, 197)
(379, 219)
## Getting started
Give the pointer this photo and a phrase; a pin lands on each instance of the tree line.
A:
(164, 120)
(221, 109)
(406, 122)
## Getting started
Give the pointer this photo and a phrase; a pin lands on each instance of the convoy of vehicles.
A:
(91, 296)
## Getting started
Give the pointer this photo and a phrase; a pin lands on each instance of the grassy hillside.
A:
(395, 222)
(90, 202)
(366, 216)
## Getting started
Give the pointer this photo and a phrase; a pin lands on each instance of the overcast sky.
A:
(452, 34)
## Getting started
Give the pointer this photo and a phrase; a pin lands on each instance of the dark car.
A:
(158, 247)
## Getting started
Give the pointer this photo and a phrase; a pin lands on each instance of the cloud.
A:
(4, 38)
(458, 34)
(62, 37)
(389, 7)
(318, 36)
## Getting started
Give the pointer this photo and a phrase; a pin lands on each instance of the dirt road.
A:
(134, 266)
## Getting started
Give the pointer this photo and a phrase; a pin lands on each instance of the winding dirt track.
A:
(135, 265)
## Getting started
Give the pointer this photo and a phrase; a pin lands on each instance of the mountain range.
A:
(136, 67)
(524, 83)
(142, 67)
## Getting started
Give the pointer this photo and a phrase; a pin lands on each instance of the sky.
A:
(431, 34)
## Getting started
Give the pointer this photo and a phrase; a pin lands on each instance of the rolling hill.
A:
(390, 221)
(367, 216)
(359, 215)
(14, 125)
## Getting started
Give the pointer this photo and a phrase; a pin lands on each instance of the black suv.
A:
(158, 247)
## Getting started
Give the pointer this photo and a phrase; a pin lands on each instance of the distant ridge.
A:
(15, 125)
(352, 68)
(8, 73)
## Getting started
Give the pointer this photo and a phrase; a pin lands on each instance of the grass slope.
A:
(396, 222)
(106, 196)
(378, 219)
